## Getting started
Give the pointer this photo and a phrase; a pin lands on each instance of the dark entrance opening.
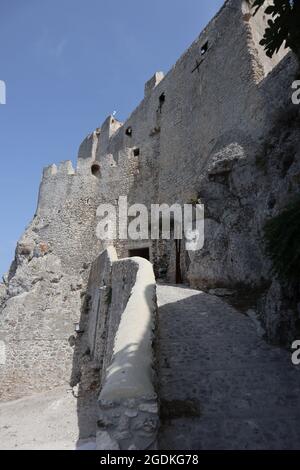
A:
(140, 252)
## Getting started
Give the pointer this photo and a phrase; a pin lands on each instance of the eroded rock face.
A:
(280, 313)
(242, 188)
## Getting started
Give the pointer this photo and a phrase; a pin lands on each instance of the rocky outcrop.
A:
(244, 186)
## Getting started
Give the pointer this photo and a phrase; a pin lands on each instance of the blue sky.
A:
(67, 64)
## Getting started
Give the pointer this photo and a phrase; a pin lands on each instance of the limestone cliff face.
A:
(211, 129)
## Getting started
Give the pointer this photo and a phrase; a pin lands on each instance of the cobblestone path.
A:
(221, 385)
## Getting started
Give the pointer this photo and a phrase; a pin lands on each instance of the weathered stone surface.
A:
(3, 290)
(39, 306)
(43, 421)
(105, 442)
(229, 140)
(149, 408)
(127, 374)
(131, 413)
(114, 356)
(221, 292)
(247, 392)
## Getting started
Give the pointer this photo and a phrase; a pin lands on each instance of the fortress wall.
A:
(241, 190)
(129, 167)
(198, 134)
(204, 140)
(66, 214)
(135, 174)
(43, 298)
(113, 357)
(100, 294)
(35, 326)
(87, 151)
(123, 278)
(207, 109)
(56, 184)
(128, 402)
(276, 88)
(204, 110)
(220, 98)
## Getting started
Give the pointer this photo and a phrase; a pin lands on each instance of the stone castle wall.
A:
(42, 294)
(113, 364)
(200, 132)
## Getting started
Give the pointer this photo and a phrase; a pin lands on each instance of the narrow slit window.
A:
(162, 99)
(129, 131)
(204, 48)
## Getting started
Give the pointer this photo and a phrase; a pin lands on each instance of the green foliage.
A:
(282, 236)
(283, 26)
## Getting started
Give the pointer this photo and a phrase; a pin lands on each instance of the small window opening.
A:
(136, 152)
(129, 131)
(162, 99)
(204, 48)
(95, 169)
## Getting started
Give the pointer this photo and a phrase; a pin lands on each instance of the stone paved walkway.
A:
(221, 386)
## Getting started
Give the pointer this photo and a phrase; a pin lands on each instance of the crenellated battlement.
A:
(64, 168)
(50, 170)
(166, 141)
(175, 103)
